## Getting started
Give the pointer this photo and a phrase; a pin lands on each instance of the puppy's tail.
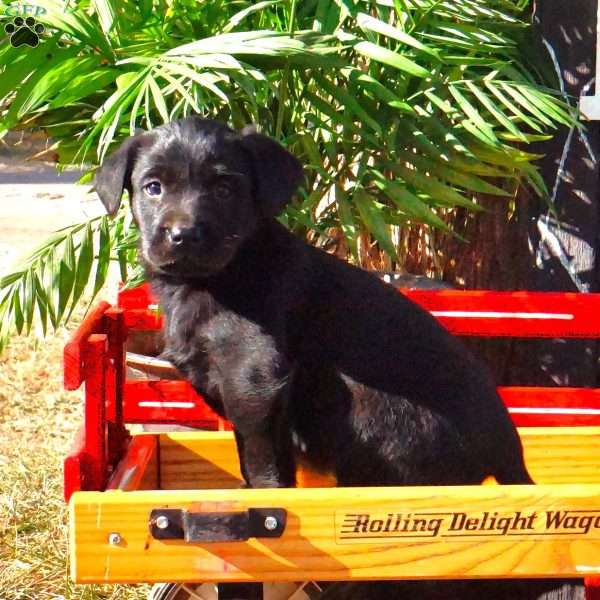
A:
(513, 472)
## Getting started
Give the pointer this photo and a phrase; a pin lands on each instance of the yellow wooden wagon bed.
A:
(167, 506)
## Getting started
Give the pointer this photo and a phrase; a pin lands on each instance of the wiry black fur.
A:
(310, 358)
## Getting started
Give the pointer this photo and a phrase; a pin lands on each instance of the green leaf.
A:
(513, 91)
(16, 70)
(106, 15)
(84, 85)
(128, 87)
(557, 110)
(372, 214)
(84, 266)
(349, 227)
(238, 17)
(42, 303)
(536, 181)
(17, 311)
(176, 83)
(158, 98)
(50, 283)
(312, 150)
(103, 259)
(9, 279)
(369, 23)
(476, 35)
(393, 59)
(28, 296)
(66, 276)
(350, 103)
(123, 265)
(442, 104)
(206, 80)
(445, 172)
(408, 203)
(506, 155)
(379, 90)
(19, 104)
(511, 106)
(135, 108)
(337, 118)
(473, 114)
(432, 186)
(495, 111)
(76, 23)
(327, 16)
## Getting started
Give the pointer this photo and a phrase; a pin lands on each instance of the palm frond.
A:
(401, 110)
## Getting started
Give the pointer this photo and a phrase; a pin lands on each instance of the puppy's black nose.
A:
(179, 236)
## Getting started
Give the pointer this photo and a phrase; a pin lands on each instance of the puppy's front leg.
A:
(264, 446)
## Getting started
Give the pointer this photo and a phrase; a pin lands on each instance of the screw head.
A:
(162, 522)
(114, 538)
(271, 523)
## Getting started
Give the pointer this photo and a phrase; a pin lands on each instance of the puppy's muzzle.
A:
(181, 237)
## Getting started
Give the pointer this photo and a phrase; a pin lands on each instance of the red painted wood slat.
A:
(138, 297)
(466, 312)
(76, 467)
(552, 407)
(117, 435)
(592, 588)
(95, 359)
(177, 401)
(513, 314)
(131, 470)
(168, 402)
(74, 349)
(143, 319)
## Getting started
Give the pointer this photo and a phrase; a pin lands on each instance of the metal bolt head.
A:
(271, 523)
(114, 538)
(162, 522)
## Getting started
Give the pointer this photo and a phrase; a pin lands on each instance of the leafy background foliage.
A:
(401, 110)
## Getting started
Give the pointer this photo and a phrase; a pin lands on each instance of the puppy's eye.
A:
(153, 188)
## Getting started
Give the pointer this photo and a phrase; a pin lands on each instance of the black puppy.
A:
(310, 358)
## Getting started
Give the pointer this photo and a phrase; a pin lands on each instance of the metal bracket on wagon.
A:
(235, 526)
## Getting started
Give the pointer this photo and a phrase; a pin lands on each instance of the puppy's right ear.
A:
(114, 175)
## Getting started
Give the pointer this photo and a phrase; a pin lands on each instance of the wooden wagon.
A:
(155, 507)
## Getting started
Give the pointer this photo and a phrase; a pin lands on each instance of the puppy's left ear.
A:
(277, 173)
(114, 175)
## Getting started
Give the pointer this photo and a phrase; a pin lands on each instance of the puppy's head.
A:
(198, 190)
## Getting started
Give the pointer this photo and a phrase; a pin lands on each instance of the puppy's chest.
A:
(215, 347)
(208, 333)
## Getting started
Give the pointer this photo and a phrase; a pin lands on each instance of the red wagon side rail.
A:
(468, 313)
(95, 357)
(513, 314)
(178, 402)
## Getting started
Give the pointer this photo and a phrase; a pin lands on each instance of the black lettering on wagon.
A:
(581, 521)
(370, 527)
